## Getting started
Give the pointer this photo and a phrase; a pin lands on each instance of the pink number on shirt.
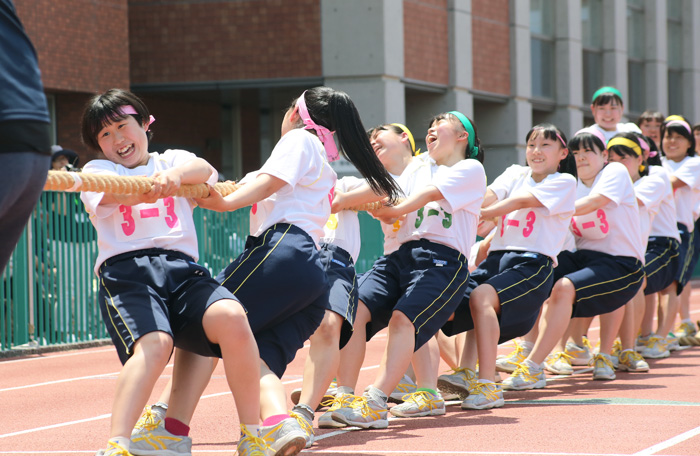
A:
(574, 228)
(171, 217)
(603, 221)
(529, 223)
(129, 225)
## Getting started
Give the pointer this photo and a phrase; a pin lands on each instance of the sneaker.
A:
(458, 382)
(153, 417)
(580, 356)
(685, 329)
(419, 403)
(251, 445)
(326, 420)
(525, 377)
(672, 343)
(484, 396)
(615, 353)
(632, 361)
(306, 426)
(113, 449)
(559, 363)
(405, 386)
(655, 348)
(159, 442)
(509, 362)
(286, 438)
(641, 341)
(363, 412)
(602, 367)
(330, 394)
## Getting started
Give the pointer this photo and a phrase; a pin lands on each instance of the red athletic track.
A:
(59, 404)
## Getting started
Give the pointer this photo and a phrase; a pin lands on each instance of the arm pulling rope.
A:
(125, 185)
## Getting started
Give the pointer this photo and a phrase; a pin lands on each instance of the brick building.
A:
(218, 74)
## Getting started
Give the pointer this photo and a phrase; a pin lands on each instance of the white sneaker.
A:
(655, 348)
(484, 395)
(326, 420)
(305, 426)
(285, 438)
(419, 403)
(559, 363)
(580, 356)
(525, 377)
(364, 413)
(603, 368)
(330, 394)
(632, 361)
(405, 386)
(159, 442)
(510, 362)
(457, 383)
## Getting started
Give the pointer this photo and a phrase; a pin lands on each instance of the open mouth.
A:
(125, 151)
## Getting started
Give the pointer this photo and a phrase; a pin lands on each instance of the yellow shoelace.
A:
(257, 447)
(560, 356)
(523, 371)
(630, 355)
(601, 359)
(344, 400)
(488, 390)
(360, 403)
(114, 449)
(302, 423)
(148, 421)
(422, 398)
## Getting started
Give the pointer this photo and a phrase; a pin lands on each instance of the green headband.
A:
(473, 150)
(606, 89)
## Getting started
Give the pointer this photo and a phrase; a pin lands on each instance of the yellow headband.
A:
(627, 143)
(405, 129)
(674, 117)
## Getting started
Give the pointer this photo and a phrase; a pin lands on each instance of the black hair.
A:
(335, 110)
(103, 109)
(455, 120)
(696, 127)
(585, 140)
(552, 132)
(605, 98)
(679, 129)
(653, 150)
(650, 115)
(622, 150)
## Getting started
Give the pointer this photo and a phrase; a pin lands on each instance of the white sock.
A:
(527, 345)
(253, 429)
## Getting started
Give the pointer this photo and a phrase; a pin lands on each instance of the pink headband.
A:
(558, 136)
(593, 132)
(324, 134)
(682, 123)
(128, 109)
(645, 146)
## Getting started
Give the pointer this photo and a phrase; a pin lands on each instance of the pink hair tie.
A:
(593, 132)
(128, 109)
(324, 134)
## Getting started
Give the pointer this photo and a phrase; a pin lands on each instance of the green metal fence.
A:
(48, 292)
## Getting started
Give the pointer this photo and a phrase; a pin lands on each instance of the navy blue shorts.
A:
(685, 257)
(661, 263)
(603, 282)
(523, 281)
(157, 290)
(281, 282)
(340, 269)
(424, 280)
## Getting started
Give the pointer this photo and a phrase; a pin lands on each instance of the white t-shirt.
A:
(298, 159)
(614, 228)
(165, 224)
(620, 128)
(343, 228)
(420, 168)
(664, 222)
(535, 229)
(650, 191)
(688, 196)
(450, 221)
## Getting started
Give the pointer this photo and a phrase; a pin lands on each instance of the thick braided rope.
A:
(368, 206)
(125, 185)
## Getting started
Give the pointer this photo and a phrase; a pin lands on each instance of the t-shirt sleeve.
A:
(650, 191)
(92, 199)
(292, 158)
(689, 173)
(557, 193)
(612, 182)
(462, 184)
(503, 184)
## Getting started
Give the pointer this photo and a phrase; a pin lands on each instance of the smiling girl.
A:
(602, 274)
(533, 205)
(441, 214)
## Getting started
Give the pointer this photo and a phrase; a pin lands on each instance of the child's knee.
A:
(329, 331)
(399, 321)
(156, 346)
(225, 318)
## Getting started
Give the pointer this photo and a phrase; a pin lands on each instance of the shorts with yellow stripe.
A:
(603, 282)
(422, 279)
(522, 280)
(157, 290)
(281, 282)
(340, 270)
(661, 263)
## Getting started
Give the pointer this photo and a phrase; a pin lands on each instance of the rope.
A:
(125, 185)
(368, 206)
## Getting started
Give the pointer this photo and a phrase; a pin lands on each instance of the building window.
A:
(542, 48)
(635, 54)
(674, 16)
(592, 44)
